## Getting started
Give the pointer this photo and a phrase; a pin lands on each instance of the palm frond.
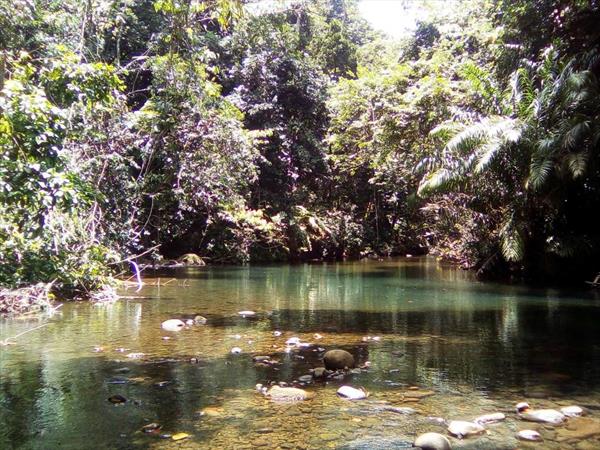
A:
(575, 134)
(577, 163)
(487, 154)
(446, 130)
(440, 180)
(512, 243)
(468, 138)
(522, 91)
(540, 170)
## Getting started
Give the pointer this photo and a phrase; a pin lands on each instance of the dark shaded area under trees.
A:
(296, 133)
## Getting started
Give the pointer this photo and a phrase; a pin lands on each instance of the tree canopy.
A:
(296, 132)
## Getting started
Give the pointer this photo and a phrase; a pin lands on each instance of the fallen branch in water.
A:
(7, 340)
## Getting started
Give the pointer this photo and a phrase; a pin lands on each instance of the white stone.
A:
(572, 411)
(432, 441)
(460, 428)
(352, 393)
(529, 435)
(293, 341)
(543, 415)
(173, 325)
(236, 350)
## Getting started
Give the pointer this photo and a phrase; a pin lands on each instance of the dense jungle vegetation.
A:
(289, 131)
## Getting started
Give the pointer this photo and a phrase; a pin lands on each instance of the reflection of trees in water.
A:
(437, 329)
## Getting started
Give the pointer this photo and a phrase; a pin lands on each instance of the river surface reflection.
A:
(469, 347)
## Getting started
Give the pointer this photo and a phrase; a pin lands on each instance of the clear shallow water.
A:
(470, 348)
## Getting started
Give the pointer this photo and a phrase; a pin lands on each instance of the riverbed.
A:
(431, 342)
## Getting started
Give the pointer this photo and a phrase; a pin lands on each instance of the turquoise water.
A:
(465, 347)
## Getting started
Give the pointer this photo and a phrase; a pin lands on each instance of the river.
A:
(428, 336)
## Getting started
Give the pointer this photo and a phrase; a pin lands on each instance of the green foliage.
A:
(43, 201)
(292, 131)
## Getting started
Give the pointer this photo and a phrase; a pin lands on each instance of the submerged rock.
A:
(305, 378)
(352, 393)
(489, 418)
(580, 429)
(288, 394)
(432, 441)
(529, 435)
(338, 359)
(400, 410)
(461, 429)
(320, 372)
(173, 325)
(376, 443)
(117, 399)
(200, 320)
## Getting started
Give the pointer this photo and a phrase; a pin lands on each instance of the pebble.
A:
(236, 350)
(277, 333)
(200, 320)
(246, 313)
(529, 435)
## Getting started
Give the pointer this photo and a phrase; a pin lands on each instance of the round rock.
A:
(173, 325)
(338, 359)
(432, 441)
